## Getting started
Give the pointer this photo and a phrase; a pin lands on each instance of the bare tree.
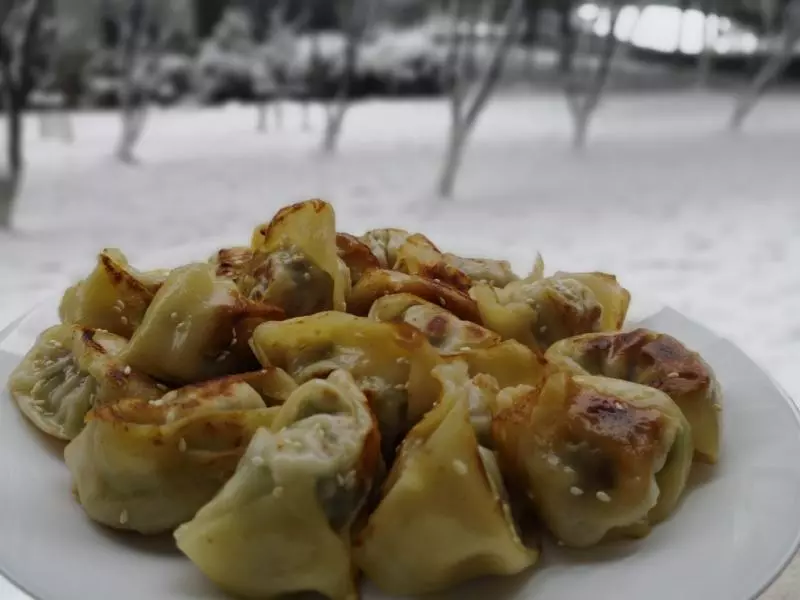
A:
(132, 96)
(356, 16)
(281, 48)
(468, 98)
(584, 90)
(772, 69)
(18, 23)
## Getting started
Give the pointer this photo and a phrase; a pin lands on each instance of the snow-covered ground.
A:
(702, 220)
(681, 211)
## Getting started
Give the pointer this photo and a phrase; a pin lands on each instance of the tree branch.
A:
(512, 29)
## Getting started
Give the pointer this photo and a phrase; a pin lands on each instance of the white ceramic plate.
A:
(736, 530)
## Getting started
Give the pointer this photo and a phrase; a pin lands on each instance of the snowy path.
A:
(707, 222)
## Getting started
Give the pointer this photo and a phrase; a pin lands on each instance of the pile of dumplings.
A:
(317, 406)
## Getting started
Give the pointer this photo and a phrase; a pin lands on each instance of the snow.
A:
(704, 221)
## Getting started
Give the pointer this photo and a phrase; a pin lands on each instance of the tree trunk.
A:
(9, 184)
(773, 68)
(305, 114)
(333, 127)
(261, 117)
(132, 126)
(452, 162)
(580, 132)
(705, 61)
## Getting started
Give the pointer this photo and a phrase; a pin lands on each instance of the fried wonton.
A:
(197, 328)
(656, 360)
(114, 297)
(149, 466)
(597, 457)
(282, 523)
(69, 370)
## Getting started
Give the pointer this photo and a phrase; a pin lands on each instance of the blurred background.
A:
(654, 140)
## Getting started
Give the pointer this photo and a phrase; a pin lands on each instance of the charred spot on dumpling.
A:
(356, 255)
(680, 371)
(287, 278)
(381, 282)
(614, 426)
(232, 262)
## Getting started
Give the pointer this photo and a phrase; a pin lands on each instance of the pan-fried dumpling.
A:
(614, 298)
(494, 272)
(377, 283)
(232, 262)
(384, 244)
(444, 516)
(418, 256)
(656, 360)
(282, 523)
(390, 362)
(509, 362)
(69, 370)
(295, 263)
(356, 255)
(539, 313)
(445, 332)
(197, 328)
(482, 350)
(598, 457)
(149, 466)
(114, 297)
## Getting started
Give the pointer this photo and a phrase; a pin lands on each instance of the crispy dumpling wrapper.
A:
(656, 360)
(197, 328)
(444, 515)
(614, 298)
(356, 255)
(481, 349)
(114, 297)
(494, 272)
(69, 370)
(445, 332)
(419, 256)
(540, 313)
(295, 264)
(390, 362)
(377, 283)
(597, 457)
(149, 466)
(282, 523)
(232, 262)
(384, 244)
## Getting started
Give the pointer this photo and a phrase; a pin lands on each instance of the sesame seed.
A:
(673, 375)
(460, 467)
(553, 460)
(174, 316)
(465, 349)
(619, 405)
(223, 355)
(127, 370)
(717, 406)
(569, 470)
(400, 386)
(442, 301)
(55, 344)
(402, 361)
(307, 276)
(162, 387)
(257, 461)
(124, 320)
(277, 492)
(543, 328)
(603, 497)
(182, 445)
(559, 543)
(576, 491)
(123, 517)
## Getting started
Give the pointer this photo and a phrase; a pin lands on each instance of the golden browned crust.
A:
(381, 282)
(264, 231)
(356, 255)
